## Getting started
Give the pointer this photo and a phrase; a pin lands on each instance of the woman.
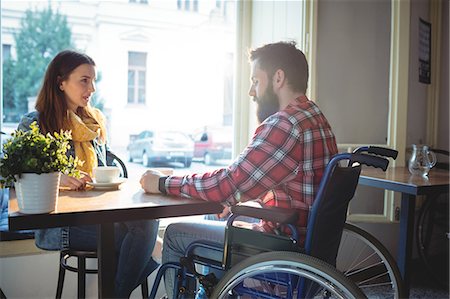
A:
(63, 103)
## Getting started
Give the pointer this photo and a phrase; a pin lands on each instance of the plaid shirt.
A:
(282, 166)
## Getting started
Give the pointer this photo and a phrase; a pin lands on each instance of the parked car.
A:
(153, 147)
(212, 144)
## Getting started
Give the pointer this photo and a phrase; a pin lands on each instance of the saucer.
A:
(112, 185)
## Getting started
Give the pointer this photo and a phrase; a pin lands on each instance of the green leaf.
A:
(32, 152)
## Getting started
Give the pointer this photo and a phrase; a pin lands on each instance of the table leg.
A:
(404, 253)
(106, 260)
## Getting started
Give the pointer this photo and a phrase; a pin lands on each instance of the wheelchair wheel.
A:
(282, 274)
(365, 261)
(433, 238)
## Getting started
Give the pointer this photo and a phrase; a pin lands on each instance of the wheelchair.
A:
(261, 265)
(363, 258)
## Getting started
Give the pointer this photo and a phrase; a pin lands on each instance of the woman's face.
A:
(79, 87)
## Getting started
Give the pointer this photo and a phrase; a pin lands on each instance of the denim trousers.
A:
(177, 238)
(134, 242)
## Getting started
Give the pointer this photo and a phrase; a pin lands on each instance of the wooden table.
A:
(104, 207)
(400, 180)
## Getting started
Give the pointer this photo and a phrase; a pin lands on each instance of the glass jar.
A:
(422, 160)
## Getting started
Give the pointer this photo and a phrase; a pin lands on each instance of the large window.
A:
(160, 66)
(137, 71)
(189, 5)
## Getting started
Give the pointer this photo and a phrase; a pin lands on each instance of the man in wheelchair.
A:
(281, 167)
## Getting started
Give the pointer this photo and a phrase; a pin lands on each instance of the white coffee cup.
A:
(106, 174)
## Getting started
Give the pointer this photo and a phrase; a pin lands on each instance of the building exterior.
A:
(163, 64)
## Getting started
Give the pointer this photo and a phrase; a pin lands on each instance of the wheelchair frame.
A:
(373, 156)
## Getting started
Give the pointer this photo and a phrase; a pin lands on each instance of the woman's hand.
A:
(150, 181)
(73, 183)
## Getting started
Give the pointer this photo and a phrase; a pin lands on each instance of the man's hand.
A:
(150, 181)
(225, 213)
(73, 183)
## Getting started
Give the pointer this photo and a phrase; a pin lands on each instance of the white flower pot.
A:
(37, 193)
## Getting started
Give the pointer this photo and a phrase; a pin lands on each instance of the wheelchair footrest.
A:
(207, 281)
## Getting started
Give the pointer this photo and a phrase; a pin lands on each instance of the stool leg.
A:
(81, 277)
(144, 289)
(61, 275)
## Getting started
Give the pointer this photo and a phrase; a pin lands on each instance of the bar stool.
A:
(82, 255)
(81, 271)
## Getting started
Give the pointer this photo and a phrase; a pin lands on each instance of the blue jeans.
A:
(134, 242)
(177, 238)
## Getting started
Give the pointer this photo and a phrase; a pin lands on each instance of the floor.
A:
(424, 285)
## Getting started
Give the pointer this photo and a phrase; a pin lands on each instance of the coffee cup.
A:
(106, 174)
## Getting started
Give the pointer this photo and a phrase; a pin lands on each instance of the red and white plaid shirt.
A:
(282, 166)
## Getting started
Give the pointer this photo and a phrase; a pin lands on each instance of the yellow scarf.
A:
(83, 132)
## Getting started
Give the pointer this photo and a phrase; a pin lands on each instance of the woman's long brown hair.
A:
(51, 103)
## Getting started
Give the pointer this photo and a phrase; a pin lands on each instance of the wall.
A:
(353, 46)
(352, 85)
(36, 276)
(444, 110)
(417, 102)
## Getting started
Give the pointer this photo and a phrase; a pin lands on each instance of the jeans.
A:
(134, 242)
(177, 238)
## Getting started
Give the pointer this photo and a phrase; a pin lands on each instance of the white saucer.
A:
(107, 185)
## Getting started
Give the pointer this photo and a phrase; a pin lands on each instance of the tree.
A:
(42, 35)
(8, 84)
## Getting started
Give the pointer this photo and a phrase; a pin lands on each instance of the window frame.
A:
(135, 86)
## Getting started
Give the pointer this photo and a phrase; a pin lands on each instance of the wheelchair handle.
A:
(374, 161)
(377, 150)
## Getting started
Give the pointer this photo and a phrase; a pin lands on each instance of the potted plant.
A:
(34, 163)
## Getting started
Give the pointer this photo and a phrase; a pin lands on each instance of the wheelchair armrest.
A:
(274, 214)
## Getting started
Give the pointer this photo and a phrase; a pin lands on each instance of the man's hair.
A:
(284, 56)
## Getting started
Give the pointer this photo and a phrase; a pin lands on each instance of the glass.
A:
(422, 160)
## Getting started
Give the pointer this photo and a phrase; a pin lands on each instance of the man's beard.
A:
(267, 104)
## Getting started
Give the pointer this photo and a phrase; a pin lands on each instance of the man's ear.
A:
(278, 78)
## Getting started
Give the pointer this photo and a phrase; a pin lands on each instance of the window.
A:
(6, 50)
(186, 5)
(167, 68)
(137, 70)
(139, 1)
